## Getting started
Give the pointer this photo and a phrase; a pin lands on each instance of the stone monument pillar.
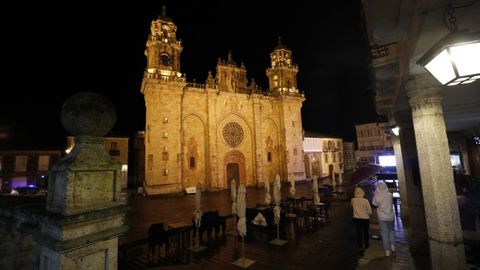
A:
(441, 208)
(84, 214)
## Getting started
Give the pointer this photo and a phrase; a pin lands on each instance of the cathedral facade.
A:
(224, 129)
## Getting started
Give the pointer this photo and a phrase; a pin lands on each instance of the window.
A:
(114, 146)
(192, 162)
(21, 163)
(293, 123)
(269, 156)
(334, 157)
(150, 162)
(326, 157)
(114, 149)
(164, 155)
(165, 120)
(165, 134)
(43, 162)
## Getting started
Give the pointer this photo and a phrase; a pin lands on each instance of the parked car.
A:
(31, 191)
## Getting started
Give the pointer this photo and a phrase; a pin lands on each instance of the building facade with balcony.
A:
(349, 161)
(372, 139)
(323, 156)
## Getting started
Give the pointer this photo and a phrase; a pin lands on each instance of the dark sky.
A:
(56, 50)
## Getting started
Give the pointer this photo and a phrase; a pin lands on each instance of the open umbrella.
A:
(268, 198)
(316, 198)
(364, 172)
(292, 185)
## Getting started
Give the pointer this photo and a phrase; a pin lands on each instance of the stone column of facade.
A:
(259, 173)
(413, 198)
(84, 215)
(441, 208)
(212, 154)
(397, 148)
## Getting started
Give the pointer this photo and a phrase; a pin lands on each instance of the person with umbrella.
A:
(361, 219)
(383, 200)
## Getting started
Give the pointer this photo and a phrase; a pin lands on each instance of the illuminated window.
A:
(21, 163)
(43, 162)
(326, 157)
(114, 146)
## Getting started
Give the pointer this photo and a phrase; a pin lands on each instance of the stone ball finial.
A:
(88, 114)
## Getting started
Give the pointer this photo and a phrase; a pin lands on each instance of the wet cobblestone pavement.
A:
(331, 246)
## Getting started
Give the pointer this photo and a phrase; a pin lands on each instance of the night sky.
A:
(56, 50)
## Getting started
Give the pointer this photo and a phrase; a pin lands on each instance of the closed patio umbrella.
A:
(276, 210)
(292, 185)
(233, 195)
(268, 198)
(316, 198)
(242, 226)
(197, 216)
(241, 208)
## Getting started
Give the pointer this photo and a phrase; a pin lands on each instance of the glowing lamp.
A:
(455, 59)
(395, 130)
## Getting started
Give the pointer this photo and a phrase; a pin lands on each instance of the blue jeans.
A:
(388, 233)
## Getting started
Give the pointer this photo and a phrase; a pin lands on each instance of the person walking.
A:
(361, 219)
(383, 202)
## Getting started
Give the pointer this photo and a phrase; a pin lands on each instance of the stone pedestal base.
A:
(278, 242)
(83, 241)
(243, 262)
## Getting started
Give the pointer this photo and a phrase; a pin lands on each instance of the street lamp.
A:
(455, 59)
(395, 130)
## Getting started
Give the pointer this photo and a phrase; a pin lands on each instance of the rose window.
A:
(232, 134)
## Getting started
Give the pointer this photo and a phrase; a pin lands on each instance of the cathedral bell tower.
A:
(163, 49)
(282, 75)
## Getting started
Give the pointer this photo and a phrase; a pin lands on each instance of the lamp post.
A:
(455, 59)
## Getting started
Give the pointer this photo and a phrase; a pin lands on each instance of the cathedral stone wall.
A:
(224, 129)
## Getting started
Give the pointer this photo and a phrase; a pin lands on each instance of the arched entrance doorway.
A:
(234, 164)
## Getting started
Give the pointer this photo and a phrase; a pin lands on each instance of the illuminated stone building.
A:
(226, 128)
(323, 157)
(372, 140)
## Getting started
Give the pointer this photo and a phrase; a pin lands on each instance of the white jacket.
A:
(383, 200)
